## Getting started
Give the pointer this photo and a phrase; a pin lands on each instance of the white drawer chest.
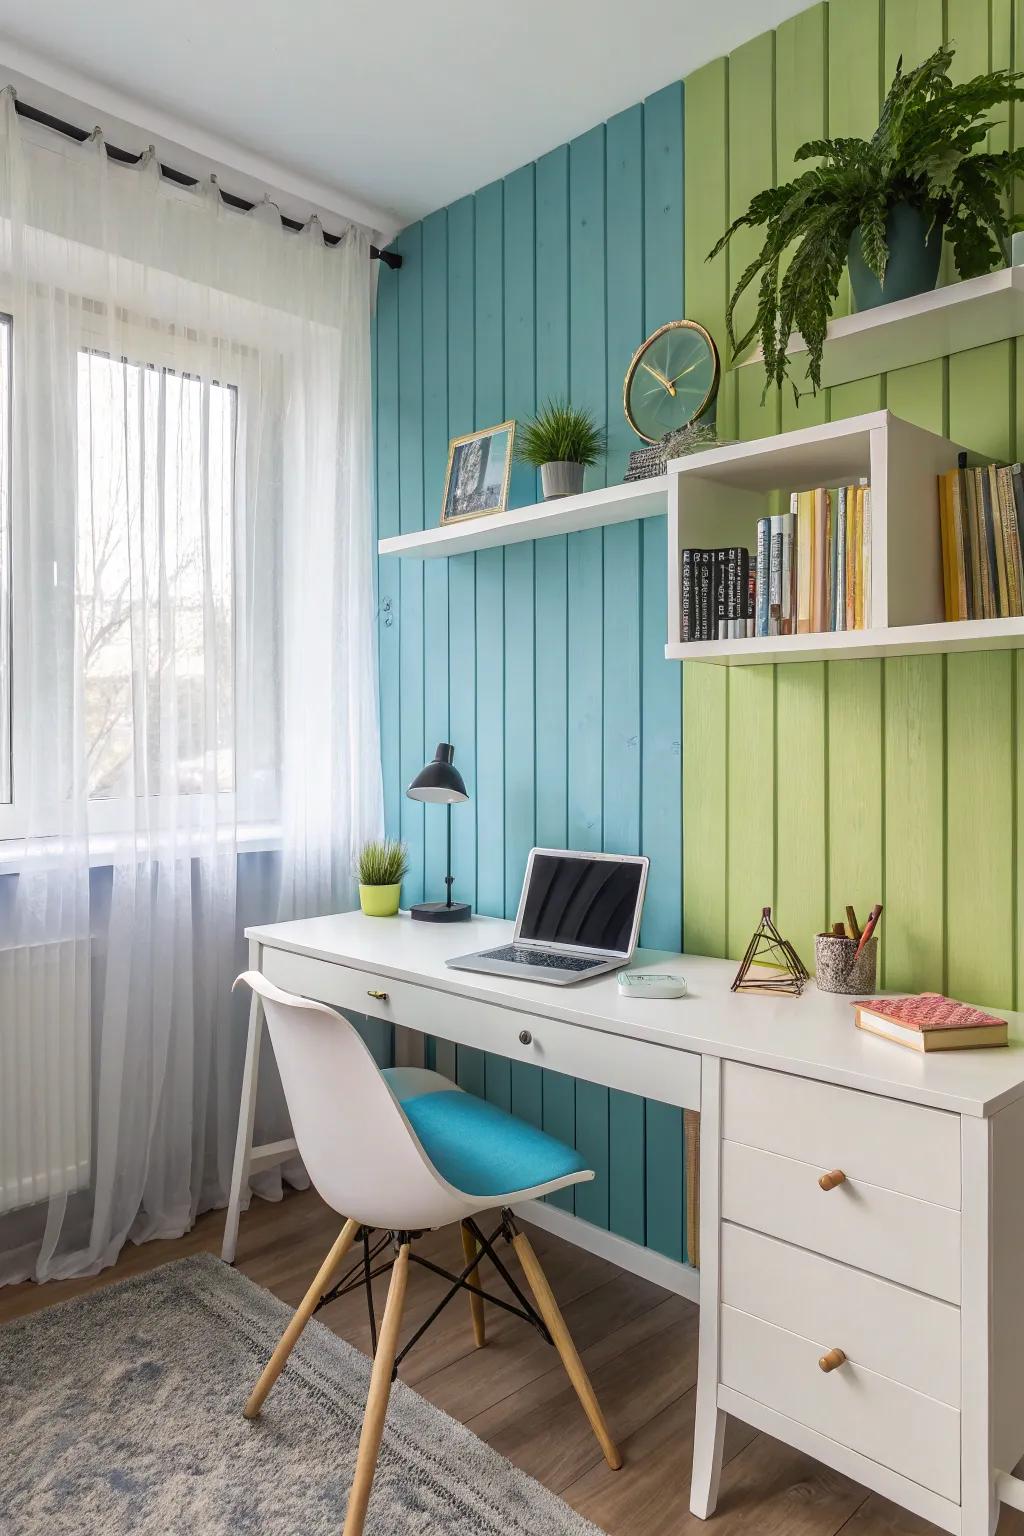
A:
(861, 1206)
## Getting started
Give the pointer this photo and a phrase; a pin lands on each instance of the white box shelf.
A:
(717, 497)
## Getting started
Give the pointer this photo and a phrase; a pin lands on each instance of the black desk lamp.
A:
(440, 783)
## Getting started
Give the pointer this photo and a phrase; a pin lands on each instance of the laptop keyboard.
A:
(541, 957)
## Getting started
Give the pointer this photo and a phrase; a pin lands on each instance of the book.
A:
(833, 557)
(1011, 542)
(1000, 588)
(686, 606)
(866, 546)
(719, 589)
(851, 557)
(977, 544)
(763, 574)
(804, 507)
(1017, 476)
(858, 569)
(787, 614)
(840, 583)
(930, 1022)
(775, 576)
(819, 576)
(703, 595)
(945, 542)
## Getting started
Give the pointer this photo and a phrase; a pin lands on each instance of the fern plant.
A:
(382, 862)
(561, 433)
(925, 152)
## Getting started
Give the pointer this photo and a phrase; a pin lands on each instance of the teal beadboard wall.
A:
(542, 662)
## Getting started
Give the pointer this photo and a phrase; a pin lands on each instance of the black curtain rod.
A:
(390, 258)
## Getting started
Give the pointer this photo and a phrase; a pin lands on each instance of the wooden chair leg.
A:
(476, 1303)
(377, 1400)
(548, 1308)
(303, 1313)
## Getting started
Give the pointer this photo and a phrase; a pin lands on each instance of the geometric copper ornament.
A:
(768, 947)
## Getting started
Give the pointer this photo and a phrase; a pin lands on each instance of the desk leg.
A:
(410, 1047)
(709, 1425)
(246, 1115)
(979, 1495)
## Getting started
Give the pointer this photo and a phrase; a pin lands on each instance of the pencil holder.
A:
(835, 967)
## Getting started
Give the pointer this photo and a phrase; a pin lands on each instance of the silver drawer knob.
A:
(525, 1038)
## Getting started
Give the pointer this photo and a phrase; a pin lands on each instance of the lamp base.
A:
(441, 912)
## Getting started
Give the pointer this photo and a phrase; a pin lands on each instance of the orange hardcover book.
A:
(930, 1022)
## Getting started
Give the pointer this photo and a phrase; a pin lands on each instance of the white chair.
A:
(403, 1151)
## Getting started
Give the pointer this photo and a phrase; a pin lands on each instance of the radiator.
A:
(45, 1073)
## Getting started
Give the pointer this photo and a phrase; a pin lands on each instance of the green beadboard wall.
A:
(808, 785)
(816, 784)
(544, 662)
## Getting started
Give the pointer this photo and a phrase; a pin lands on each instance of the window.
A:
(155, 578)
(6, 553)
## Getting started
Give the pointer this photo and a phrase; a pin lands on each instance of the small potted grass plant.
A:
(381, 867)
(561, 441)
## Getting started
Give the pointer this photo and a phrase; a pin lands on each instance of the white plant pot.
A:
(561, 478)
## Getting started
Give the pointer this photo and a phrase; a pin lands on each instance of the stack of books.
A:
(813, 569)
(716, 594)
(930, 1022)
(811, 573)
(981, 519)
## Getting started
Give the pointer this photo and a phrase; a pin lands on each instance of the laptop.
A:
(579, 916)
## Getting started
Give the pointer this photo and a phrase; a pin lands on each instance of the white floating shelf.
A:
(956, 318)
(571, 514)
(850, 645)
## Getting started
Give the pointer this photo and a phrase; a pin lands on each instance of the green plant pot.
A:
(913, 266)
(379, 900)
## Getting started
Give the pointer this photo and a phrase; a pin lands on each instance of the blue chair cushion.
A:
(479, 1148)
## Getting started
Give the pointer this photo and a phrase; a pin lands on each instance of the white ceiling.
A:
(403, 105)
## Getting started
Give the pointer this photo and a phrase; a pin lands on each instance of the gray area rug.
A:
(121, 1414)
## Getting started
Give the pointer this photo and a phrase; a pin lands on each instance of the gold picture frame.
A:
(476, 483)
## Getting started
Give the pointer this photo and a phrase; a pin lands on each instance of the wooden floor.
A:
(638, 1342)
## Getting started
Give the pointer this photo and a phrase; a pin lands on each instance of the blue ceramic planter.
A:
(914, 256)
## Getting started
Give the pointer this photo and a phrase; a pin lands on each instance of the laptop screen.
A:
(588, 902)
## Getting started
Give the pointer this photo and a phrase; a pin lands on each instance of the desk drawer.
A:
(902, 1334)
(654, 1071)
(903, 1147)
(906, 1240)
(903, 1430)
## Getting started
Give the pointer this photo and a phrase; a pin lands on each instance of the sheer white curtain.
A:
(186, 588)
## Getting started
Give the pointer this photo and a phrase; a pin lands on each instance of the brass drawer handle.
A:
(381, 997)
(832, 1180)
(833, 1360)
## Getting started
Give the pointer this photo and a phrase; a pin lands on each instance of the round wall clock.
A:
(672, 379)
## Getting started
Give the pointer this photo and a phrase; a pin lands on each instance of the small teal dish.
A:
(913, 267)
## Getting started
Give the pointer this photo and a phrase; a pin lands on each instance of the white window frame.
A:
(112, 822)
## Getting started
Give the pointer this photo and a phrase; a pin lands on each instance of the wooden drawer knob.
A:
(832, 1360)
(831, 1180)
(381, 997)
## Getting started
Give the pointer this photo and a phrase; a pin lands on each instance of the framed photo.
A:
(479, 466)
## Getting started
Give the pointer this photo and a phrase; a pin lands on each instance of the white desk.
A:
(910, 1266)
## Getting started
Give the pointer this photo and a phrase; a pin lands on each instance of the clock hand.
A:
(688, 369)
(669, 384)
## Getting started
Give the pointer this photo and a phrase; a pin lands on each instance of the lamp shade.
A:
(440, 782)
